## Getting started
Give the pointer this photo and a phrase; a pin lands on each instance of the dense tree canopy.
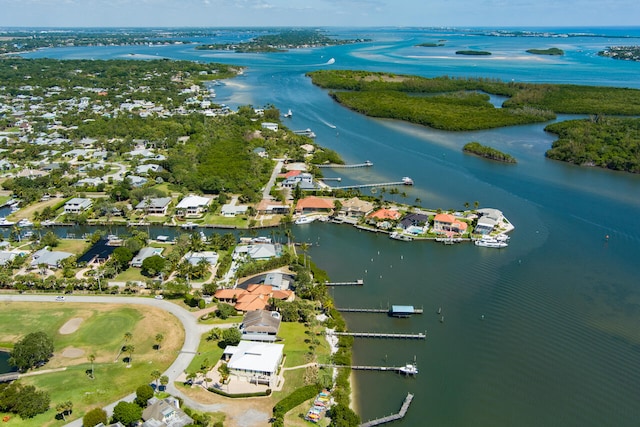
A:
(33, 350)
(94, 417)
(127, 413)
(26, 401)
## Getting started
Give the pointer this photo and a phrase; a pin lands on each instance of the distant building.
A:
(270, 126)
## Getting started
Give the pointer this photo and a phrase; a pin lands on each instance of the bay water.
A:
(545, 332)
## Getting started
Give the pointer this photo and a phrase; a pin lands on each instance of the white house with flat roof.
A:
(192, 205)
(255, 362)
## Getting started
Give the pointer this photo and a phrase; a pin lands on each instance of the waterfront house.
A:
(7, 257)
(77, 205)
(314, 204)
(257, 252)
(164, 413)
(355, 208)
(192, 205)
(270, 207)
(255, 362)
(51, 259)
(231, 210)
(414, 220)
(303, 179)
(255, 297)
(154, 205)
(448, 224)
(488, 219)
(143, 254)
(260, 325)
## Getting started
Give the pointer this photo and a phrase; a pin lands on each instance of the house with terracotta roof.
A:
(255, 297)
(385, 214)
(314, 204)
(446, 224)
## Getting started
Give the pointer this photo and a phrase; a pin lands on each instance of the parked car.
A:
(159, 297)
(59, 298)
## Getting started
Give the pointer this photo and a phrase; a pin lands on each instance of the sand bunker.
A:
(71, 326)
(72, 352)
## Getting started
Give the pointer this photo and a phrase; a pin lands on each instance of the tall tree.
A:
(159, 339)
(34, 349)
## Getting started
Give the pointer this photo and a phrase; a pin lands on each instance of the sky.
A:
(311, 13)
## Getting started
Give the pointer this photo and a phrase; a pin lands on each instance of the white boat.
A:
(188, 225)
(407, 181)
(5, 223)
(289, 114)
(490, 242)
(304, 220)
(409, 369)
(399, 236)
(24, 223)
(48, 222)
(502, 238)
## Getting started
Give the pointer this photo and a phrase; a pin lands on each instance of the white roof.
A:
(193, 201)
(256, 356)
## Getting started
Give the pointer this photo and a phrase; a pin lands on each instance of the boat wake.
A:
(328, 124)
(331, 61)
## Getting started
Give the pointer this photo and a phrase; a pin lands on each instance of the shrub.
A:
(94, 417)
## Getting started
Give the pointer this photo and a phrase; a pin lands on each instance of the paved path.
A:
(266, 193)
(193, 331)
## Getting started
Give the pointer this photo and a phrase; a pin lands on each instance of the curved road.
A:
(192, 333)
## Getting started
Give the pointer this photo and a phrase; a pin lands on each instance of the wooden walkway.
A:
(365, 368)
(356, 165)
(392, 417)
(373, 310)
(381, 184)
(418, 336)
(359, 282)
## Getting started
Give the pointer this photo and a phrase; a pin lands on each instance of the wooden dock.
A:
(418, 336)
(381, 184)
(356, 165)
(392, 417)
(365, 368)
(359, 282)
(374, 310)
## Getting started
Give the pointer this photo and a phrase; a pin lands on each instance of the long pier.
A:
(418, 336)
(365, 368)
(382, 184)
(392, 417)
(353, 165)
(374, 310)
(359, 282)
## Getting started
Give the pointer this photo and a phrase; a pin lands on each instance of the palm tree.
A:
(130, 349)
(155, 376)
(164, 380)
(418, 201)
(305, 247)
(159, 339)
(466, 205)
(92, 358)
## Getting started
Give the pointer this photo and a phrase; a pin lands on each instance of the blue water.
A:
(560, 341)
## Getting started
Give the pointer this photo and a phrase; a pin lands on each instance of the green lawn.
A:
(74, 246)
(129, 275)
(295, 347)
(101, 333)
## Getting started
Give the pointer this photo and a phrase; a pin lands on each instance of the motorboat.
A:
(5, 223)
(304, 220)
(490, 242)
(24, 223)
(399, 236)
(407, 181)
(288, 114)
(409, 369)
(188, 225)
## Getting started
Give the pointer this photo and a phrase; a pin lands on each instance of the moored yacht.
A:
(490, 242)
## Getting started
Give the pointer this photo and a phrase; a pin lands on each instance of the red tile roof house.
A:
(448, 224)
(314, 204)
(385, 214)
(255, 297)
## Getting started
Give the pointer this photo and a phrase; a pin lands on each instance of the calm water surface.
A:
(560, 341)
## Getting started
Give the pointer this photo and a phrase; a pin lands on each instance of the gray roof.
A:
(260, 321)
(166, 412)
(50, 258)
(144, 254)
(154, 203)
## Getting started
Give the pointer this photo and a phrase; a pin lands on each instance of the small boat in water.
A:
(188, 225)
(399, 236)
(490, 242)
(5, 223)
(288, 114)
(304, 220)
(409, 369)
(407, 181)
(24, 223)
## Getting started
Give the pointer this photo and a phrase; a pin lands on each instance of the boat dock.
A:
(359, 282)
(378, 310)
(418, 336)
(355, 165)
(392, 417)
(381, 184)
(400, 369)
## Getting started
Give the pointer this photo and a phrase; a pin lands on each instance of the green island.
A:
(478, 149)
(473, 52)
(606, 142)
(625, 53)
(281, 42)
(554, 51)
(431, 44)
